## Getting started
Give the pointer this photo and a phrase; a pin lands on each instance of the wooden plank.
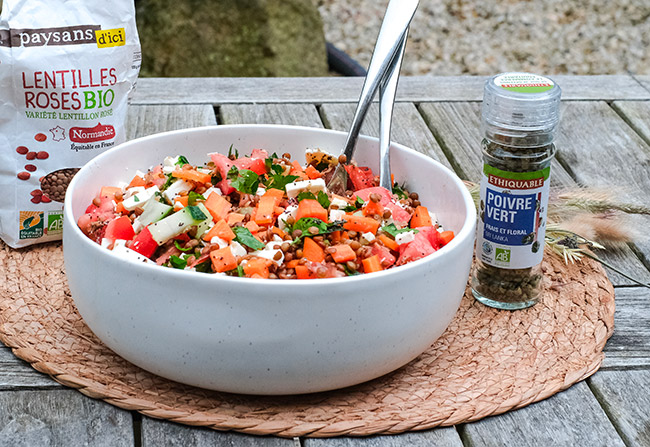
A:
(344, 89)
(644, 80)
(157, 433)
(443, 437)
(408, 127)
(629, 347)
(637, 115)
(16, 374)
(570, 418)
(602, 150)
(61, 418)
(289, 114)
(624, 396)
(457, 128)
(146, 120)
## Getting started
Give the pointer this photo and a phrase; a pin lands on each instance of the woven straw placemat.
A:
(486, 363)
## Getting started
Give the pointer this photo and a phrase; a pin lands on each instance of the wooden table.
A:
(604, 140)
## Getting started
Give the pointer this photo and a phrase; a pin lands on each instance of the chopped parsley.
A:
(181, 161)
(399, 191)
(358, 204)
(232, 151)
(244, 180)
(245, 237)
(193, 197)
(177, 263)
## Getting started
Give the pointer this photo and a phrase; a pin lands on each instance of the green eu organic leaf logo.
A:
(502, 255)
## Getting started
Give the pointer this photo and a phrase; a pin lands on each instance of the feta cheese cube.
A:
(139, 199)
(313, 186)
(237, 249)
(289, 211)
(405, 238)
(336, 215)
(176, 188)
(369, 237)
(220, 242)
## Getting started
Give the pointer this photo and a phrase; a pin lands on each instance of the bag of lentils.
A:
(67, 68)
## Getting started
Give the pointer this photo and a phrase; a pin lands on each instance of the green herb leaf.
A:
(178, 245)
(279, 181)
(168, 182)
(204, 267)
(324, 200)
(244, 181)
(232, 151)
(193, 197)
(399, 191)
(177, 262)
(240, 271)
(245, 237)
(181, 161)
(393, 230)
(358, 204)
(349, 272)
(216, 178)
(305, 195)
(196, 213)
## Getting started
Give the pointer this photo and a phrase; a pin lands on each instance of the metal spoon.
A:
(387, 92)
(393, 30)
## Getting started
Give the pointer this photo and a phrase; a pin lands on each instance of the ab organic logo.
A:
(502, 255)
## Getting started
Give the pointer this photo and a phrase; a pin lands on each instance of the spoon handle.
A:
(387, 91)
(393, 30)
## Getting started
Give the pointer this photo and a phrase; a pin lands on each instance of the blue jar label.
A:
(512, 220)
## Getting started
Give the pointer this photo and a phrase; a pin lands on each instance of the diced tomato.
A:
(364, 194)
(256, 165)
(120, 228)
(144, 243)
(223, 164)
(385, 256)
(416, 249)
(433, 236)
(361, 177)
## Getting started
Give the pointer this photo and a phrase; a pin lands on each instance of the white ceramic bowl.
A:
(267, 336)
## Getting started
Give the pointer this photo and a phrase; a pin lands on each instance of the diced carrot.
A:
(278, 210)
(252, 226)
(421, 217)
(137, 181)
(257, 267)
(183, 201)
(335, 236)
(312, 251)
(109, 191)
(371, 208)
(119, 208)
(312, 172)
(266, 206)
(371, 264)
(293, 263)
(360, 224)
(388, 242)
(192, 175)
(217, 206)
(279, 232)
(311, 208)
(220, 229)
(233, 218)
(446, 237)
(302, 272)
(343, 253)
(223, 260)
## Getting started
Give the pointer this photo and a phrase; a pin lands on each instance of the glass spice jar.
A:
(520, 116)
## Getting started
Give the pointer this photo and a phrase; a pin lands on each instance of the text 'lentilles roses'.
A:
(262, 216)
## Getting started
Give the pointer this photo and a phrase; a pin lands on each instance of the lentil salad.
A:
(262, 216)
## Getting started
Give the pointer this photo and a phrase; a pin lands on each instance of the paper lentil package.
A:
(67, 68)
